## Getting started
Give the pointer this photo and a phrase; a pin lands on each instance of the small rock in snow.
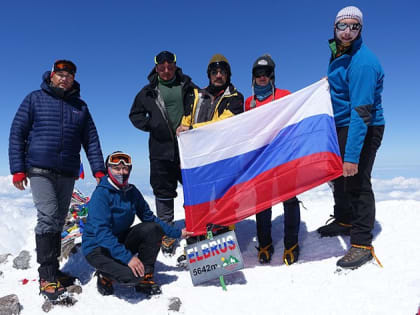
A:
(174, 304)
(9, 305)
(22, 261)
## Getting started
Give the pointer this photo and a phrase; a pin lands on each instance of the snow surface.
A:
(309, 287)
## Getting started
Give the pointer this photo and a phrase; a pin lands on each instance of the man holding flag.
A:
(218, 101)
(360, 124)
(264, 91)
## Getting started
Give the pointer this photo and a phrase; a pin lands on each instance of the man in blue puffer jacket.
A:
(356, 81)
(119, 251)
(45, 140)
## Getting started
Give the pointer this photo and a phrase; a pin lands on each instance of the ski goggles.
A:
(352, 27)
(119, 157)
(64, 65)
(165, 56)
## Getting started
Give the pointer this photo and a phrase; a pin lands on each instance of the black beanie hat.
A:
(165, 56)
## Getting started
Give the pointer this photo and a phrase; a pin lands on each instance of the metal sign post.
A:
(221, 278)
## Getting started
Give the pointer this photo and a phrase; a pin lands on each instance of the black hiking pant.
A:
(291, 224)
(143, 239)
(164, 178)
(353, 195)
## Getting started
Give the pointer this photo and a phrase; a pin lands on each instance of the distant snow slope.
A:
(308, 287)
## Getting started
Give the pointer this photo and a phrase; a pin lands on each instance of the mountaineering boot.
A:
(52, 291)
(265, 253)
(104, 284)
(148, 286)
(181, 261)
(168, 245)
(334, 228)
(65, 279)
(291, 255)
(165, 212)
(357, 256)
(291, 230)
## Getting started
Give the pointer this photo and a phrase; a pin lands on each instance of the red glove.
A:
(18, 177)
(99, 174)
(19, 180)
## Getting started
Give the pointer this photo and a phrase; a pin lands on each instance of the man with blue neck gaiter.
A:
(265, 91)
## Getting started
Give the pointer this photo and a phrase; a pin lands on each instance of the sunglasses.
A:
(117, 158)
(169, 66)
(353, 27)
(214, 72)
(165, 56)
(262, 73)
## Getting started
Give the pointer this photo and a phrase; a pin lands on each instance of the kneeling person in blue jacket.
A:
(121, 252)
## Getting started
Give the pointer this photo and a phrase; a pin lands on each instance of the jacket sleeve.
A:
(139, 116)
(100, 216)
(247, 105)
(362, 83)
(92, 146)
(146, 215)
(187, 119)
(18, 137)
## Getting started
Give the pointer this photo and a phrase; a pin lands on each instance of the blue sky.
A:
(113, 44)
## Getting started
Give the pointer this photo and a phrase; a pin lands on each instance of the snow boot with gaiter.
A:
(47, 257)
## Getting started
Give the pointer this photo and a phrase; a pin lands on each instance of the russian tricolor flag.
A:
(242, 165)
(81, 172)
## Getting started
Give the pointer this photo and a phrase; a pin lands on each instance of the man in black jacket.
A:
(158, 109)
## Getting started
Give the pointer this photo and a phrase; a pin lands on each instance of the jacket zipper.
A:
(62, 134)
(161, 106)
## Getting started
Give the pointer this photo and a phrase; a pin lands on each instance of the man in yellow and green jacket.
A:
(218, 101)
